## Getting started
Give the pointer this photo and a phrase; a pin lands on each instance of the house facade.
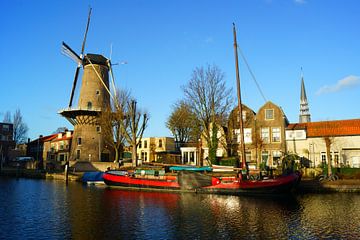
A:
(38, 149)
(153, 149)
(7, 142)
(308, 141)
(264, 135)
(60, 146)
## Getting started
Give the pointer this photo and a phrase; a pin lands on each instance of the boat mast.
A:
(242, 144)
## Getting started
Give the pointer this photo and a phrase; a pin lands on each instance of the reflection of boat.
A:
(186, 181)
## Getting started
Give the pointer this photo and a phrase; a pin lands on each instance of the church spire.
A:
(304, 106)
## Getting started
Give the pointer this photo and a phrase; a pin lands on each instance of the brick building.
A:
(7, 142)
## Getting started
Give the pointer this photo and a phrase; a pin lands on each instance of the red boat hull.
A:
(230, 185)
(134, 182)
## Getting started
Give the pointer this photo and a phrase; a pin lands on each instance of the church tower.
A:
(304, 106)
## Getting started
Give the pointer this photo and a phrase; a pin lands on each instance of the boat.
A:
(187, 181)
(93, 178)
(236, 181)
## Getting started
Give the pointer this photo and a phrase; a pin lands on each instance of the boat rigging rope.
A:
(251, 73)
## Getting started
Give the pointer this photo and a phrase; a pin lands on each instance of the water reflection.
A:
(50, 210)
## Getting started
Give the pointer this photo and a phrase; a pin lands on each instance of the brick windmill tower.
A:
(88, 142)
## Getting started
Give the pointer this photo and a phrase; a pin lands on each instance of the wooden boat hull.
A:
(282, 184)
(230, 185)
(113, 179)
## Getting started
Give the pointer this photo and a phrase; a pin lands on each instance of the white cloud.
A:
(340, 85)
(300, 1)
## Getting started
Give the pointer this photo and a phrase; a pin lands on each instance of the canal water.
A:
(39, 209)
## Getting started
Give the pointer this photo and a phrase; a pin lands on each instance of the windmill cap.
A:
(95, 59)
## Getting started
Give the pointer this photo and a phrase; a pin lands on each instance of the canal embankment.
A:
(342, 185)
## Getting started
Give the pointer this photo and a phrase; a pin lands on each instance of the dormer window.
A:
(269, 114)
(89, 105)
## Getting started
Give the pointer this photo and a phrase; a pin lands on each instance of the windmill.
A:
(88, 142)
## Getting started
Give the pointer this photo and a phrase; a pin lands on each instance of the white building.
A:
(308, 141)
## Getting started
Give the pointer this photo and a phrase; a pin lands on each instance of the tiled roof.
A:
(349, 127)
(48, 138)
(296, 126)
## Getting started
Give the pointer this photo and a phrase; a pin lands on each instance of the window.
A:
(276, 158)
(265, 157)
(244, 116)
(79, 141)
(89, 105)
(265, 135)
(5, 128)
(160, 143)
(275, 134)
(97, 92)
(236, 135)
(247, 135)
(78, 154)
(140, 144)
(323, 158)
(243, 113)
(248, 156)
(145, 156)
(145, 144)
(98, 129)
(269, 114)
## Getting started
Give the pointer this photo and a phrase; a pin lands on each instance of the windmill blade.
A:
(67, 51)
(112, 77)
(74, 86)
(86, 31)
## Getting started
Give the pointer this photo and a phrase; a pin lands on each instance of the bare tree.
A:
(136, 123)
(61, 129)
(113, 122)
(183, 123)
(210, 100)
(19, 127)
(7, 117)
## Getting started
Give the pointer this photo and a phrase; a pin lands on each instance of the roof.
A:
(62, 139)
(95, 59)
(45, 138)
(348, 127)
(303, 93)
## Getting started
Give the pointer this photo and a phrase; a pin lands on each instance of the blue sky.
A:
(163, 41)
